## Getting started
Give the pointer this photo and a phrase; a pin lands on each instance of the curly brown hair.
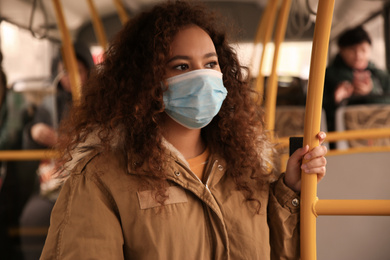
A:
(124, 92)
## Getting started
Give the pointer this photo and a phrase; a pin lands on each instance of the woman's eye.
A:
(181, 67)
(211, 65)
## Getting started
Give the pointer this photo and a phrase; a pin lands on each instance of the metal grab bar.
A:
(28, 155)
(121, 11)
(272, 83)
(311, 207)
(97, 25)
(353, 207)
(68, 53)
(374, 133)
(312, 124)
(367, 149)
(263, 35)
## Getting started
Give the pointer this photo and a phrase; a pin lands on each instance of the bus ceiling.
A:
(39, 16)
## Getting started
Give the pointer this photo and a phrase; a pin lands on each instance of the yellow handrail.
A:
(354, 150)
(69, 53)
(259, 36)
(121, 11)
(353, 207)
(28, 155)
(271, 89)
(263, 35)
(97, 25)
(374, 133)
(312, 124)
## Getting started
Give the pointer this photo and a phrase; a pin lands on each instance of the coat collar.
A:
(177, 164)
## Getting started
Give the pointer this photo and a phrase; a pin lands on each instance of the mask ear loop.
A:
(164, 85)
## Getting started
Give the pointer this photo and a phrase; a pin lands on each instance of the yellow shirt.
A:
(198, 163)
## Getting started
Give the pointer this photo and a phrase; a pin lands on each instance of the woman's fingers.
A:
(315, 166)
(318, 151)
(321, 137)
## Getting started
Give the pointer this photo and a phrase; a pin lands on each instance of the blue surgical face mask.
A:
(194, 98)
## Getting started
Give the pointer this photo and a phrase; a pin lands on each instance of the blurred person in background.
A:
(41, 133)
(15, 183)
(352, 78)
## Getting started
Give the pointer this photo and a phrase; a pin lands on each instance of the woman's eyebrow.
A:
(210, 54)
(179, 57)
(184, 57)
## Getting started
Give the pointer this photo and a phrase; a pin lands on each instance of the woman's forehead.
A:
(191, 39)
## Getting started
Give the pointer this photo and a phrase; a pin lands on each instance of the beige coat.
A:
(103, 212)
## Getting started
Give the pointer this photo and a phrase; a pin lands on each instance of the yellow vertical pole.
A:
(312, 125)
(261, 26)
(97, 25)
(69, 53)
(272, 83)
(121, 11)
(264, 35)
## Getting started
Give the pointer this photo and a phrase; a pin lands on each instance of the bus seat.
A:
(289, 121)
(366, 116)
(292, 92)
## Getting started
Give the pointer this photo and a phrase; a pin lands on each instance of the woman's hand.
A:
(314, 162)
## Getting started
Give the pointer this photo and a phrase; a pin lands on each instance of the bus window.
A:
(24, 55)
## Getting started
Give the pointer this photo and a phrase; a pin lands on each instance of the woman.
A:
(171, 159)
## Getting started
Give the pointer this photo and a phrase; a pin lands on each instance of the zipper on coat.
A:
(208, 177)
(207, 208)
(189, 170)
(197, 178)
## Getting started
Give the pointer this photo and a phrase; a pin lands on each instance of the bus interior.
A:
(358, 164)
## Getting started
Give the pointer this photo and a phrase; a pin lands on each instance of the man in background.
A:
(351, 78)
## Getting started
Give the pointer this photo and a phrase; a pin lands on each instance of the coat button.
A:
(295, 202)
(220, 167)
(177, 173)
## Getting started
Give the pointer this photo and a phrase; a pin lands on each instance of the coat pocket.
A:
(175, 195)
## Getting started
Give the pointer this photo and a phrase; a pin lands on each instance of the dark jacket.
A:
(45, 114)
(15, 113)
(338, 72)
